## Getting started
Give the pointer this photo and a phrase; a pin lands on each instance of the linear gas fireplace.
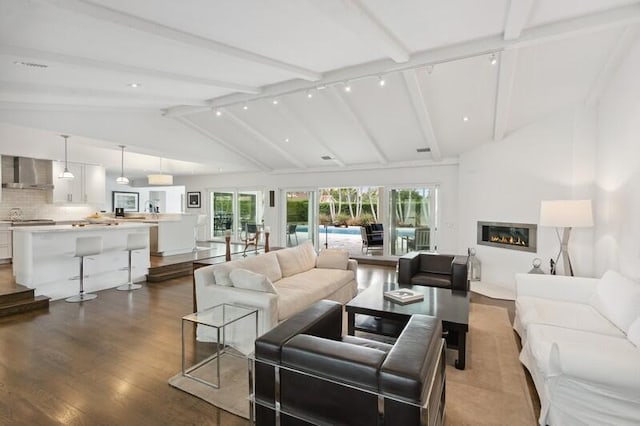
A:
(514, 236)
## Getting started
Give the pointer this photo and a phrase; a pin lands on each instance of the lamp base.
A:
(564, 251)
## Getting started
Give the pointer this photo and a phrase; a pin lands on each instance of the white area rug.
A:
(494, 291)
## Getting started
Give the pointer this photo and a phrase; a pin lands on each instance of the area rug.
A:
(494, 291)
(492, 390)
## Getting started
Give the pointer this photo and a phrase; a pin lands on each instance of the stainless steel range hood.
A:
(26, 173)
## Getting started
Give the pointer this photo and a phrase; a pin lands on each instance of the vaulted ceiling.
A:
(246, 85)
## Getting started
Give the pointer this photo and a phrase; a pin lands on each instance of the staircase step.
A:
(20, 306)
(168, 272)
(16, 295)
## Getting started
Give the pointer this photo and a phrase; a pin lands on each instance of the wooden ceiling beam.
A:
(83, 62)
(352, 113)
(422, 112)
(143, 25)
(263, 138)
(517, 18)
(231, 147)
(291, 115)
(506, 76)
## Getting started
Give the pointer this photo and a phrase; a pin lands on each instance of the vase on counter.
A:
(473, 265)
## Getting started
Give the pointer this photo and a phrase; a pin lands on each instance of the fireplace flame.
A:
(508, 240)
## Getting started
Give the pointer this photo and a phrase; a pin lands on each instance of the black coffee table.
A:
(382, 316)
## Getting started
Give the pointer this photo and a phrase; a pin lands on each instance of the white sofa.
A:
(278, 284)
(581, 344)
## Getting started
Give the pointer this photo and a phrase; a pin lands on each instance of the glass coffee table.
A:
(371, 312)
(218, 318)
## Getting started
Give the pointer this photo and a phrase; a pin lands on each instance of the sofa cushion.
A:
(436, 263)
(634, 332)
(333, 259)
(432, 280)
(266, 264)
(243, 278)
(221, 274)
(297, 259)
(577, 316)
(618, 299)
(302, 290)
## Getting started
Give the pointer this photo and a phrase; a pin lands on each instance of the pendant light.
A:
(160, 179)
(122, 179)
(66, 174)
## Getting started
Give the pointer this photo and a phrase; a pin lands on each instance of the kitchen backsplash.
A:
(33, 204)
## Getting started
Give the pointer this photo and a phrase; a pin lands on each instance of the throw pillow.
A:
(297, 259)
(248, 280)
(333, 259)
(618, 299)
(221, 275)
(634, 332)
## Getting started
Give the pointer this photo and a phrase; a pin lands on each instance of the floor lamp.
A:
(566, 214)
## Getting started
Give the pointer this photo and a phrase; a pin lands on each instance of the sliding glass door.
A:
(301, 223)
(412, 219)
(233, 210)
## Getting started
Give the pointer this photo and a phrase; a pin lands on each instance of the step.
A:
(21, 306)
(16, 295)
(168, 272)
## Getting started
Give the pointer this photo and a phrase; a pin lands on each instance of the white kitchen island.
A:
(43, 258)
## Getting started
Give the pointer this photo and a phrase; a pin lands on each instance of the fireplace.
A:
(513, 236)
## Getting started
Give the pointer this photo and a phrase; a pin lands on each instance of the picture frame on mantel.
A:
(129, 201)
(193, 200)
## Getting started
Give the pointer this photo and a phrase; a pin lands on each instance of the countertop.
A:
(69, 228)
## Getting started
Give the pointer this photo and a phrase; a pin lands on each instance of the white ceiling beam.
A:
(615, 18)
(33, 106)
(617, 54)
(291, 115)
(121, 68)
(139, 24)
(506, 76)
(399, 165)
(264, 138)
(44, 90)
(422, 112)
(517, 18)
(231, 147)
(356, 17)
(347, 105)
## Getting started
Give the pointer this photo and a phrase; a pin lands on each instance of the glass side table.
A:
(217, 317)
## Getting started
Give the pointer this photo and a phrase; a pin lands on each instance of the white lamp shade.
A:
(160, 179)
(66, 174)
(566, 213)
(122, 180)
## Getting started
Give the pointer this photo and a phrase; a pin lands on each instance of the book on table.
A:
(403, 295)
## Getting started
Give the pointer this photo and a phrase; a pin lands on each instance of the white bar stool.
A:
(85, 246)
(135, 241)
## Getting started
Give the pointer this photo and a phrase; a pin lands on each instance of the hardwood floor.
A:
(107, 361)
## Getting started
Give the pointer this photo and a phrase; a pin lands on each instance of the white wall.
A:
(444, 175)
(506, 180)
(617, 216)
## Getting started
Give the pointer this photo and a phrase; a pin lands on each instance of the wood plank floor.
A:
(107, 361)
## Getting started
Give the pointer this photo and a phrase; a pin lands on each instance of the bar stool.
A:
(135, 241)
(85, 246)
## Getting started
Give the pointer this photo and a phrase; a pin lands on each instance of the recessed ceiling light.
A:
(465, 118)
(347, 87)
(286, 139)
(246, 107)
(275, 102)
(30, 64)
(492, 59)
(218, 113)
(134, 85)
(381, 82)
(309, 94)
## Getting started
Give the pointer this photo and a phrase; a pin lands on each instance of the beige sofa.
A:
(278, 284)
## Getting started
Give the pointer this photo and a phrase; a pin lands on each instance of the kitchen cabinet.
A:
(5, 241)
(87, 187)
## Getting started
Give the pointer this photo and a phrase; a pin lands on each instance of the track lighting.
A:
(492, 59)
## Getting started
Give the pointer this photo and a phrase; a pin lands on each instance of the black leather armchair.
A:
(372, 236)
(434, 270)
(308, 372)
